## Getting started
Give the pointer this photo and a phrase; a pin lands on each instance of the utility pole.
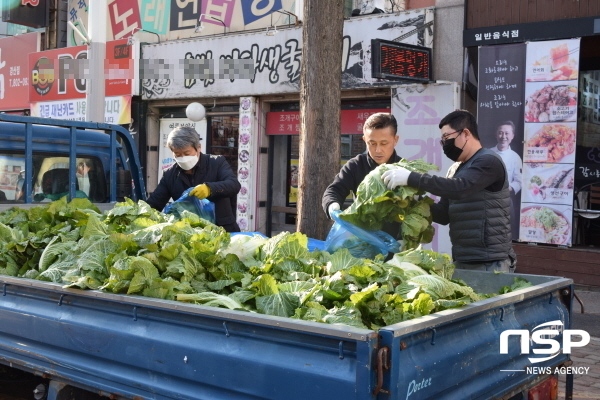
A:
(320, 87)
(95, 96)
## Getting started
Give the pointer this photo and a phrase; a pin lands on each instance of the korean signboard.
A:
(171, 20)
(14, 70)
(500, 113)
(57, 82)
(261, 64)
(419, 109)
(288, 122)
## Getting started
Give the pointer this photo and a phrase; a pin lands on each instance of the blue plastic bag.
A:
(203, 208)
(360, 242)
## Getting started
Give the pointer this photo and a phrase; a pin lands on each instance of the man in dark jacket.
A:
(475, 197)
(379, 133)
(211, 175)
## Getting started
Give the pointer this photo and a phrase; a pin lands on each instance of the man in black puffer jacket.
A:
(211, 175)
(379, 133)
(475, 198)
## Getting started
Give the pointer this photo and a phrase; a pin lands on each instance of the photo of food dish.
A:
(544, 225)
(548, 183)
(556, 60)
(551, 102)
(551, 143)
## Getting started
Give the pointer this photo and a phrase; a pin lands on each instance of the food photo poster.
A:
(550, 128)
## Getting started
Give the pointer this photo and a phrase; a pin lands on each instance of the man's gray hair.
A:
(182, 137)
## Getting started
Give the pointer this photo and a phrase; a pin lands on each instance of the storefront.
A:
(248, 79)
(536, 86)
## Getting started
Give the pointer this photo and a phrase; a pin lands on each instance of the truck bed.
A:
(138, 347)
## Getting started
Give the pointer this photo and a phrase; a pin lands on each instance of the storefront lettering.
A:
(417, 114)
(587, 172)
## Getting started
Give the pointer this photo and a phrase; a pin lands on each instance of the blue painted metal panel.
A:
(166, 354)
(50, 135)
(461, 359)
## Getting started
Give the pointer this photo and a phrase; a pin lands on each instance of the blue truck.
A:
(92, 344)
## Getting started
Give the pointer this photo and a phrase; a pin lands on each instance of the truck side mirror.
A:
(124, 188)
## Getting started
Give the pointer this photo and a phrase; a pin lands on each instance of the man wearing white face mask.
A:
(210, 175)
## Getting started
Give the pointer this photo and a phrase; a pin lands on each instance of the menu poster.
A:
(551, 101)
(546, 224)
(500, 112)
(554, 60)
(551, 90)
(552, 183)
(550, 143)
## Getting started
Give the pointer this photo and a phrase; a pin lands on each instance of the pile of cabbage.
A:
(136, 250)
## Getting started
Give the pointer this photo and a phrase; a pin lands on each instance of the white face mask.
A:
(187, 162)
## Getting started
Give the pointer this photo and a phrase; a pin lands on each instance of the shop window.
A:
(346, 147)
(588, 129)
(224, 132)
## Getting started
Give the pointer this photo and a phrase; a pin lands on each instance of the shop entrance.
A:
(283, 126)
(223, 132)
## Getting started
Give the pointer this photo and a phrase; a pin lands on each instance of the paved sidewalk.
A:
(586, 386)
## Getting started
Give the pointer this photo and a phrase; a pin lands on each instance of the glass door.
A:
(224, 132)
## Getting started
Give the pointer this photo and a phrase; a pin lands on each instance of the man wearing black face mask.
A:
(475, 197)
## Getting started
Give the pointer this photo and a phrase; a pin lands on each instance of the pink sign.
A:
(288, 122)
(14, 70)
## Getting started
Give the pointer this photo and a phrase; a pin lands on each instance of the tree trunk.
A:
(320, 86)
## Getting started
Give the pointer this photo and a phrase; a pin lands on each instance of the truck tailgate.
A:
(455, 354)
(136, 346)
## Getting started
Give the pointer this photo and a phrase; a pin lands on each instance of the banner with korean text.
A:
(419, 109)
(500, 114)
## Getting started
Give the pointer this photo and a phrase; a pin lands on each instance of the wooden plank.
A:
(566, 266)
(594, 8)
(476, 14)
(470, 4)
(539, 251)
(531, 11)
(582, 9)
(515, 12)
(572, 9)
(523, 5)
(556, 253)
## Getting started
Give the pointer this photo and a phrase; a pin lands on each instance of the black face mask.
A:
(450, 150)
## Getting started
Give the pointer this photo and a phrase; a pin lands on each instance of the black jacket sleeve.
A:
(226, 183)
(486, 172)
(161, 195)
(344, 183)
(439, 212)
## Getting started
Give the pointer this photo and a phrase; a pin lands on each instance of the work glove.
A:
(201, 191)
(395, 177)
(332, 208)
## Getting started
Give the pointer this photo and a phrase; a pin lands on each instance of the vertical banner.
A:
(418, 110)
(552, 73)
(165, 155)
(246, 165)
(500, 110)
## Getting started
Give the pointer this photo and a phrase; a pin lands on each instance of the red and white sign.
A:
(44, 72)
(124, 17)
(14, 70)
(288, 122)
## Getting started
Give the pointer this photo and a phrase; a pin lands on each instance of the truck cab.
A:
(42, 160)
